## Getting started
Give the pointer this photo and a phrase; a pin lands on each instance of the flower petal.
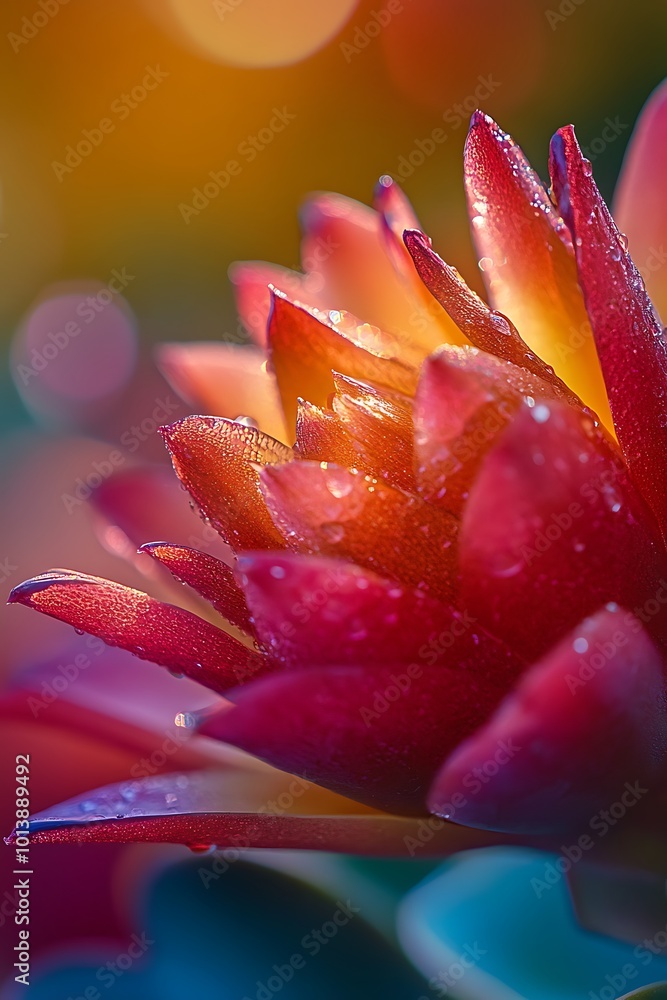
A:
(587, 726)
(251, 279)
(376, 735)
(322, 508)
(640, 207)
(312, 611)
(629, 339)
(225, 380)
(380, 423)
(464, 400)
(486, 329)
(220, 807)
(210, 577)
(215, 460)
(530, 271)
(551, 504)
(304, 349)
(154, 631)
(321, 436)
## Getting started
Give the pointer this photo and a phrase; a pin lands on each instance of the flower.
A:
(444, 588)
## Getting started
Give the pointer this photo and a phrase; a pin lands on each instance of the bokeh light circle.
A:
(261, 33)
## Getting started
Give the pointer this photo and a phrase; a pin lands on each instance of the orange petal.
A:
(215, 460)
(251, 280)
(304, 349)
(321, 436)
(225, 380)
(529, 266)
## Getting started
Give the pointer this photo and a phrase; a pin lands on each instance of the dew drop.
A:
(202, 848)
(580, 645)
(278, 572)
(587, 167)
(333, 532)
(623, 240)
(185, 720)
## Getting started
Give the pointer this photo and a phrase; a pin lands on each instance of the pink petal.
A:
(554, 529)
(154, 631)
(530, 270)
(210, 577)
(640, 207)
(586, 727)
(215, 460)
(251, 281)
(304, 350)
(629, 340)
(225, 380)
(325, 509)
(486, 329)
(240, 809)
(376, 735)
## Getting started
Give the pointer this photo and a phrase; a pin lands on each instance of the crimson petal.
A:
(223, 809)
(161, 633)
(553, 529)
(210, 577)
(585, 729)
(628, 336)
(377, 735)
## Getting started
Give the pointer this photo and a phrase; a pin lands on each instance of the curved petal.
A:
(377, 735)
(210, 577)
(322, 508)
(553, 530)
(251, 280)
(485, 328)
(154, 631)
(530, 270)
(215, 460)
(305, 348)
(224, 808)
(321, 436)
(585, 729)
(640, 207)
(312, 611)
(623, 321)
(226, 380)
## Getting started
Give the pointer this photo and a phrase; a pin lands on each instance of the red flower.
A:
(446, 581)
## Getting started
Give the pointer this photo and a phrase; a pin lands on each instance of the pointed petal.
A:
(345, 244)
(488, 330)
(629, 340)
(223, 808)
(324, 509)
(380, 423)
(209, 576)
(530, 271)
(251, 281)
(586, 726)
(225, 380)
(640, 207)
(214, 459)
(553, 530)
(464, 400)
(161, 633)
(321, 436)
(377, 735)
(305, 349)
